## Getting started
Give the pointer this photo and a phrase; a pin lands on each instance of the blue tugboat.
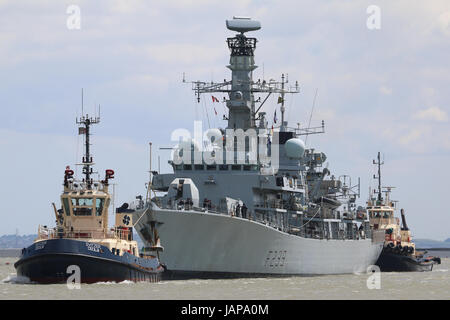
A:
(82, 241)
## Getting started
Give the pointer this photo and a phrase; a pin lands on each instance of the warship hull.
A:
(392, 262)
(49, 261)
(211, 245)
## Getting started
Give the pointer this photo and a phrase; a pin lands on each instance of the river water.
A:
(395, 285)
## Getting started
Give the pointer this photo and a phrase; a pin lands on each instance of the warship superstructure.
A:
(82, 246)
(399, 251)
(267, 206)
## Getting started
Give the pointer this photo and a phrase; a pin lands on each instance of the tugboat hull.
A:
(49, 261)
(389, 262)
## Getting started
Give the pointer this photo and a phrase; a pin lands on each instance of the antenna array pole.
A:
(150, 171)
(282, 108)
(379, 163)
(87, 159)
(310, 116)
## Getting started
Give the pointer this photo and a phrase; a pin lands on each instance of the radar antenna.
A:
(85, 121)
(379, 163)
(242, 88)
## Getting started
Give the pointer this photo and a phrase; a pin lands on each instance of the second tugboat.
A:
(82, 239)
(399, 252)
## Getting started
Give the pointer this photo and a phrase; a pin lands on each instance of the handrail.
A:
(114, 233)
(283, 222)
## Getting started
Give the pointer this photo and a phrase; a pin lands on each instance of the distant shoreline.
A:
(10, 252)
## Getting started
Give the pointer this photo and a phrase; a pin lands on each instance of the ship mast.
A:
(379, 163)
(242, 87)
(87, 162)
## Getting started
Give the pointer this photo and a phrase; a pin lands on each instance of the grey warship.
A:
(227, 210)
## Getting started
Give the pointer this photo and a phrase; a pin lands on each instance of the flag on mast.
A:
(214, 99)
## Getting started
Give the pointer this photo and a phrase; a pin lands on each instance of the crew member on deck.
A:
(244, 211)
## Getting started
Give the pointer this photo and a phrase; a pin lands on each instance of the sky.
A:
(378, 89)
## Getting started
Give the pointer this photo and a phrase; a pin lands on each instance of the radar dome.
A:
(295, 148)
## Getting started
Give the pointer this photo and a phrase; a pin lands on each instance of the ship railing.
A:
(282, 223)
(121, 233)
(270, 204)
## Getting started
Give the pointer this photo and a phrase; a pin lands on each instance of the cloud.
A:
(431, 114)
(443, 23)
(385, 90)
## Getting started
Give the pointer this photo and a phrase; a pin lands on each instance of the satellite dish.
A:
(243, 24)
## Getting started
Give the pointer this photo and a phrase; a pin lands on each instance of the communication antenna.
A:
(310, 116)
(85, 121)
(379, 163)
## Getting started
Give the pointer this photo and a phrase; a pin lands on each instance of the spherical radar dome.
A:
(295, 148)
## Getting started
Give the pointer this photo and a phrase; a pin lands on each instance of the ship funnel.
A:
(243, 24)
(404, 226)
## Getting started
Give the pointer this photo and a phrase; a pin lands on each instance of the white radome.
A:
(295, 148)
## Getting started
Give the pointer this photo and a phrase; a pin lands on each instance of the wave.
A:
(113, 282)
(15, 279)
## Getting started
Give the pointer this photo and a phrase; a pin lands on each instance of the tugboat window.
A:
(66, 206)
(82, 206)
(99, 206)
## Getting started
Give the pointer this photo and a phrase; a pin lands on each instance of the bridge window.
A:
(66, 206)
(99, 206)
(82, 206)
(198, 167)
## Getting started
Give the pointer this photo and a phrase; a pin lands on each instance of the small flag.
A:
(275, 116)
(81, 130)
(214, 99)
(280, 100)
